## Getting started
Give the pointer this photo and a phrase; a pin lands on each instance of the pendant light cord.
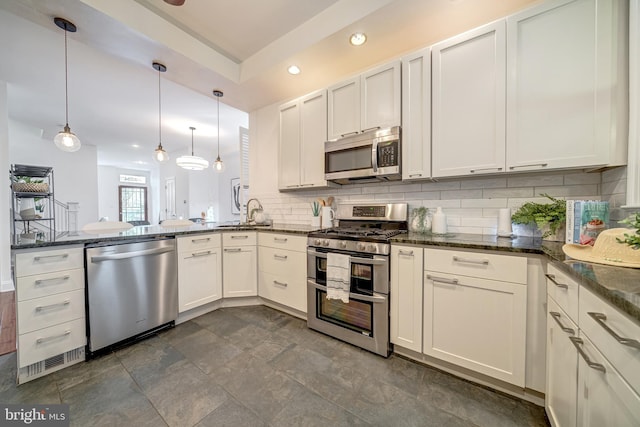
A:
(192, 129)
(159, 111)
(218, 127)
(66, 80)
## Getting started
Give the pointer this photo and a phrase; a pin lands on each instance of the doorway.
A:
(170, 197)
(132, 203)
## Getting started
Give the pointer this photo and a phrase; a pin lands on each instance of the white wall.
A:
(75, 174)
(6, 283)
(108, 183)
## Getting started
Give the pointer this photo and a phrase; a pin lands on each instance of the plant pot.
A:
(559, 236)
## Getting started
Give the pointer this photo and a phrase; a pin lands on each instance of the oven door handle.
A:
(357, 297)
(353, 259)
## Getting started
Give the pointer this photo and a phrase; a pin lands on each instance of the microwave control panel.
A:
(388, 154)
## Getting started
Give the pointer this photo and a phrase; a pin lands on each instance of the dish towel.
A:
(338, 277)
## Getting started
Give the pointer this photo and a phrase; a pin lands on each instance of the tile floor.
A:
(255, 366)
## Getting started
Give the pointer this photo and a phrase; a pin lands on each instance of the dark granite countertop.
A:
(618, 285)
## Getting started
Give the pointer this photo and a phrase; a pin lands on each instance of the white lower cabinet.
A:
(199, 271)
(239, 265)
(406, 297)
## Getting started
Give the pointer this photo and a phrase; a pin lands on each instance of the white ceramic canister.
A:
(439, 222)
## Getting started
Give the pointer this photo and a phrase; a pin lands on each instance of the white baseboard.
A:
(7, 286)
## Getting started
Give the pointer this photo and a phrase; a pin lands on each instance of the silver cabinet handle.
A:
(413, 175)
(283, 257)
(349, 133)
(126, 255)
(41, 282)
(403, 252)
(293, 186)
(371, 128)
(471, 260)
(600, 318)
(367, 261)
(204, 239)
(240, 237)
(442, 280)
(54, 337)
(275, 282)
(199, 254)
(42, 258)
(484, 169)
(374, 156)
(280, 239)
(556, 316)
(233, 250)
(58, 304)
(577, 342)
(375, 298)
(553, 280)
(542, 165)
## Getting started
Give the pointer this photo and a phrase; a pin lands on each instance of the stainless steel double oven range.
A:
(363, 235)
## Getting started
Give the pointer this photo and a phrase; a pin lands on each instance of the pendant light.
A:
(218, 165)
(193, 163)
(160, 155)
(65, 139)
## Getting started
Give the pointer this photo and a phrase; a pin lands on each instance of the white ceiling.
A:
(242, 47)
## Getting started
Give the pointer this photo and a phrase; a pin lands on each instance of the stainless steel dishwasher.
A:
(132, 289)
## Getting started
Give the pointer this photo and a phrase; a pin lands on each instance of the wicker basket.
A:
(30, 187)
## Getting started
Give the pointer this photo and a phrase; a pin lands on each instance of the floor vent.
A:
(54, 361)
(52, 364)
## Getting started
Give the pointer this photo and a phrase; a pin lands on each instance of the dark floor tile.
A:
(221, 322)
(40, 390)
(207, 350)
(231, 413)
(180, 332)
(269, 349)
(260, 315)
(81, 372)
(248, 337)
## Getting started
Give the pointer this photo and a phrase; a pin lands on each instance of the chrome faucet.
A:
(251, 212)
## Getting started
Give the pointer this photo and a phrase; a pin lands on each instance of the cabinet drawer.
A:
(52, 341)
(283, 241)
(41, 285)
(43, 312)
(284, 290)
(563, 290)
(504, 268)
(197, 242)
(247, 238)
(37, 262)
(602, 322)
(282, 263)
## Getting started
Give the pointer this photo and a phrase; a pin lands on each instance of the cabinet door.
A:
(313, 131)
(289, 148)
(380, 97)
(475, 323)
(406, 304)
(469, 102)
(416, 115)
(605, 399)
(344, 108)
(565, 85)
(199, 278)
(562, 368)
(240, 277)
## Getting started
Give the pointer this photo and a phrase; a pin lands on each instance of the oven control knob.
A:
(372, 248)
(318, 242)
(343, 244)
(361, 246)
(325, 242)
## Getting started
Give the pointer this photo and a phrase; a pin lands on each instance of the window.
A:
(132, 203)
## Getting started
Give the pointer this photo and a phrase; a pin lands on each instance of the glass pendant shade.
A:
(218, 165)
(160, 155)
(193, 163)
(67, 140)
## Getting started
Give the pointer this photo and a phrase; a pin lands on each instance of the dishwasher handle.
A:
(126, 255)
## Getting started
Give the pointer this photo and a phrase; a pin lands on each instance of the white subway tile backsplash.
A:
(582, 178)
(382, 189)
(461, 194)
(532, 180)
(504, 193)
(483, 183)
(615, 174)
(479, 222)
(568, 190)
(425, 195)
(615, 187)
(484, 203)
(406, 188)
(444, 185)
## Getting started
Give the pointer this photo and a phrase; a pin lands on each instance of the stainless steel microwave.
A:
(366, 157)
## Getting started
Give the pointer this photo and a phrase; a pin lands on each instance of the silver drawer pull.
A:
(198, 254)
(600, 318)
(59, 304)
(233, 250)
(275, 282)
(283, 257)
(413, 175)
(553, 280)
(442, 280)
(349, 133)
(55, 337)
(41, 282)
(280, 239)
(542, 165)
(471, 260)
(240, 237)
(42, 258)
(556, 316)
(403, 252)
(484, 169)
(204, 239)
(577, 342)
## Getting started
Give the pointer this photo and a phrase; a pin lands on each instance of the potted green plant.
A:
(632, 239)
(550, 218)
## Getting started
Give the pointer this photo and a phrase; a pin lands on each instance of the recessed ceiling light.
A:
(140, 162)
(135, 145)
(358, 39)
(293, 69)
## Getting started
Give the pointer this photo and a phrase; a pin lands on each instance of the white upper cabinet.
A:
(365, 102)
(469, 102)
(567, 85)
(303, 131)
(416, 115)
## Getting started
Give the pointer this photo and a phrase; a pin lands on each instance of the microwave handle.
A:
(374, 156)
